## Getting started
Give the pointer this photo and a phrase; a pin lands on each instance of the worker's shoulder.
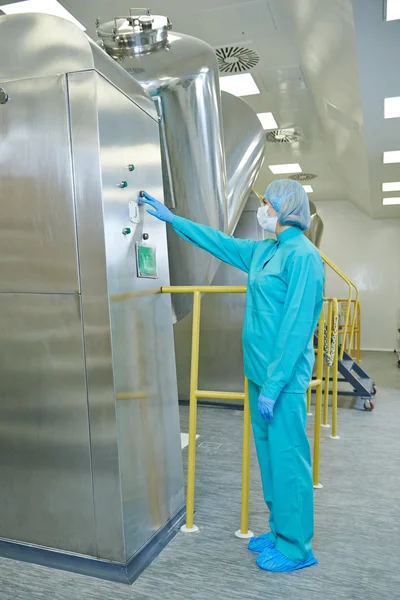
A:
(304, 248)
(260, 245)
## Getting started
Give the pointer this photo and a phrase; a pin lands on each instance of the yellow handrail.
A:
(351, 285)
(196, 394)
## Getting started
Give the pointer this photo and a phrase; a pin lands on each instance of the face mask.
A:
(266, 222)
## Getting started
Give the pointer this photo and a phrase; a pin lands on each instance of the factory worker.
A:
(283, 302)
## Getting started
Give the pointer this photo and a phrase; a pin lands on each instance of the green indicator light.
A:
(123, 184)
(131, 167)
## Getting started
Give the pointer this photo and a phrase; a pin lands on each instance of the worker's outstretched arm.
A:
(302, 308)
(235, 252)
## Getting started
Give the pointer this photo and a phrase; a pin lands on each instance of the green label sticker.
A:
(146, 261)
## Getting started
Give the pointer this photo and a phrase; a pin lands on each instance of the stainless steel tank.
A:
(201, 181)
(316, 229)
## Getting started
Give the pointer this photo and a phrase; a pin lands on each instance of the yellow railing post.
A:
(335, 375)
(327, 367)
(318, 401)
(309, 392)
(190, 527)
(358, 333)
(244, 532)
(195, 394)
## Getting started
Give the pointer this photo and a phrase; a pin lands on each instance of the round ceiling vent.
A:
(236, 59)
(303, 176)
(283, 136)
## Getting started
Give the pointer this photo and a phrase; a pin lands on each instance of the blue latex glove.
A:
(160, 210)
(266, 407)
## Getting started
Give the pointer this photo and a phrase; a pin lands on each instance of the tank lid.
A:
(141, 32)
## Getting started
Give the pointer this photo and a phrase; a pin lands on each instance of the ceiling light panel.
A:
(239, 85)
(391, 157)
(392, 108)
(267, 120)
(308, 189)
(285, 169)
(391, 201)
(391, 186)
(50, 7)
(392, 10)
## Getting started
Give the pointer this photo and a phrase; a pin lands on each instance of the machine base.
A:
(94, 567)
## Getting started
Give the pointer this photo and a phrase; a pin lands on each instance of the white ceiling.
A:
(323, 68)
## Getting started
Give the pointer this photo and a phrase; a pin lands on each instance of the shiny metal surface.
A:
(316, 228)
(96, 316)
(244, 140)
(141, 324)
(91, 460)
(49, 45)
(46, 494)
(36, 201)
(140, 33)
(182, 77)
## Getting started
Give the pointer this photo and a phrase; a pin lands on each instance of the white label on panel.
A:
(133, 212)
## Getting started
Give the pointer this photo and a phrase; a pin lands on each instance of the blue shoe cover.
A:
(260, 543)
(276, 562)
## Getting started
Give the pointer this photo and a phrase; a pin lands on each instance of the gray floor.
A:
(357, 520)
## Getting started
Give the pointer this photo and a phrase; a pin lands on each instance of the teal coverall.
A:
(283, 303)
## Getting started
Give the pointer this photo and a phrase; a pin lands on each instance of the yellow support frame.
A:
(317, 383)
(335, 376)
(351, 286)
(196, 394)
(327, 367)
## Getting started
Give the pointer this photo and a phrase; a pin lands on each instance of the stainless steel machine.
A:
(212, 146)
(212, 151)
(90, 455)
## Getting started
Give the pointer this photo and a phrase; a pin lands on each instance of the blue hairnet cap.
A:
(290, 202)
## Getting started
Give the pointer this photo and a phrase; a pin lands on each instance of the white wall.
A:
(368, 252)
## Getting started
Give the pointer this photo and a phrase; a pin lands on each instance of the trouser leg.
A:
(290, 477)
(260, 432)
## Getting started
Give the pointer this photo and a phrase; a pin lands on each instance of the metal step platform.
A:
(363, 387)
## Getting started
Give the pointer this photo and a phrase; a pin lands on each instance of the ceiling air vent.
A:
(303, 176)
(236, 59)
(283, 136)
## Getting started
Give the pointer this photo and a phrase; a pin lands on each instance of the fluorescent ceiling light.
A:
(391, 201)
(392, 10)
(239, 85)
(392, 108)
(284, 169)
(267, 120)
(308, 189)
(50, 7)
(391, 186)
(391, 157)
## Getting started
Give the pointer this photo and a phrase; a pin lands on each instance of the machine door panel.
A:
(37, 224)
(46, 494)
(141, 320)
